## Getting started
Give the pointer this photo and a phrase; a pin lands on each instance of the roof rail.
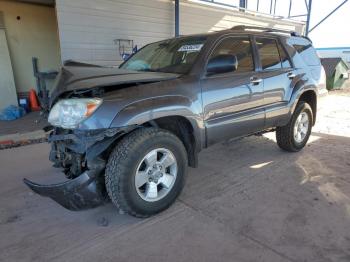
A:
(264, 29)
(269, 30)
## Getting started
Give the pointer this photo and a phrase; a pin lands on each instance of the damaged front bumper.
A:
(82, 155)
(83, 192)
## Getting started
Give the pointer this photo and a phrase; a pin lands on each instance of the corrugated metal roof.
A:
(329, 64)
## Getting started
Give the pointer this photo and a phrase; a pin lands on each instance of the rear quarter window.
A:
(308, 54)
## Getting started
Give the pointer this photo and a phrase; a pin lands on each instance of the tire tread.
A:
(119, 164)
(284, 134)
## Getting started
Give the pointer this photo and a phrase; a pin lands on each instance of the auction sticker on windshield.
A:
(190, 48)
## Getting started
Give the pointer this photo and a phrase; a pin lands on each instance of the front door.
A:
(232, 101)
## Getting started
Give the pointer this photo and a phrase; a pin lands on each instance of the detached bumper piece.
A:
(83, 192)
(79, 154)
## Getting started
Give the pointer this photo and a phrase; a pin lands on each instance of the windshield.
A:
(170, 56)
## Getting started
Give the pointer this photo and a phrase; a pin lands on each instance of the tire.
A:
(285, 134)
(129, 157)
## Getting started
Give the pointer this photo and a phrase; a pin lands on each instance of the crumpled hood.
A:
(73, 78)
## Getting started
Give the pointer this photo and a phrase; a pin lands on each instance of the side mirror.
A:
(222, 64)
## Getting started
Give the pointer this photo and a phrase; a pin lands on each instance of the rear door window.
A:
(308, 54)
(269, 54)
(241, 48)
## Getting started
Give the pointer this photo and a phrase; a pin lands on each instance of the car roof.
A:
(230, 31)
(249, 30)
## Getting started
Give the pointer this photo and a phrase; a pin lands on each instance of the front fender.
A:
(146, 110)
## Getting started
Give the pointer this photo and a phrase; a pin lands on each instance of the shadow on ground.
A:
(247, 201)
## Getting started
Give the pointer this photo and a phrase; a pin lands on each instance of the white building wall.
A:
(87, 28)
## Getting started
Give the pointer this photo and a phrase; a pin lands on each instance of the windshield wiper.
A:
(150, 70)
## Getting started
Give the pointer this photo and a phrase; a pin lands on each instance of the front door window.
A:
(239, 47)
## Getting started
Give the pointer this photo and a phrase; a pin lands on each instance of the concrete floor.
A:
(247, 201)
(30, 122)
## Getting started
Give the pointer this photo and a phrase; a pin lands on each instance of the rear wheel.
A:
(146, 171)
(294, 136)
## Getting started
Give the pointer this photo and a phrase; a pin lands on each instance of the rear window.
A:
(308, 54)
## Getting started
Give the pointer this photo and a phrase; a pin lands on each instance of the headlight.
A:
(69, 113)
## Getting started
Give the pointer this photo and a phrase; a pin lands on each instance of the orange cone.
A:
(33, 101)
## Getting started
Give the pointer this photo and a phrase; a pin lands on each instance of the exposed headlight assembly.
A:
(69, 113)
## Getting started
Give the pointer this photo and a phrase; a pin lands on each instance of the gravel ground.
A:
(247, 201)
(334, 114)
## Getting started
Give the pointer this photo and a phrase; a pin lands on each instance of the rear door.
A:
(232, 102)
(277, 73)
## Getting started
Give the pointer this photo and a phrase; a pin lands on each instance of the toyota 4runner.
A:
(128, 134)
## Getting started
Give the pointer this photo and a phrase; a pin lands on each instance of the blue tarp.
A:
(11, 113)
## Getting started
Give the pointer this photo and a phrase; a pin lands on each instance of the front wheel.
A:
(146, 171)
(294, 136)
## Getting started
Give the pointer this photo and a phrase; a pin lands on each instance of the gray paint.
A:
(218, 107)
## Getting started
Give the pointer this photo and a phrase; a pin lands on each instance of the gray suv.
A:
(128, 134)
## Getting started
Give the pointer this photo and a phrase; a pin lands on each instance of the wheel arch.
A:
(310, 97)
(184, 130)
(175, 113)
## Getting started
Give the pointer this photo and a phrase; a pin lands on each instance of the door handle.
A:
(255, 80)
(291, 75)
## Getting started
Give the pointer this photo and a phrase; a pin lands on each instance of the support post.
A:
(274, 8)
(177, 18)
(308, 17)
(290, 8)
(271, 7)
(331, 13)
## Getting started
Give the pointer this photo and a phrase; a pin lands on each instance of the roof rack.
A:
(264, 29)
(269, 30)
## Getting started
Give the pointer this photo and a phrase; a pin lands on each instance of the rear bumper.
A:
(322, 92)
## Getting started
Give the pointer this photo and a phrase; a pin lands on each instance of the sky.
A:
(334, 32)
